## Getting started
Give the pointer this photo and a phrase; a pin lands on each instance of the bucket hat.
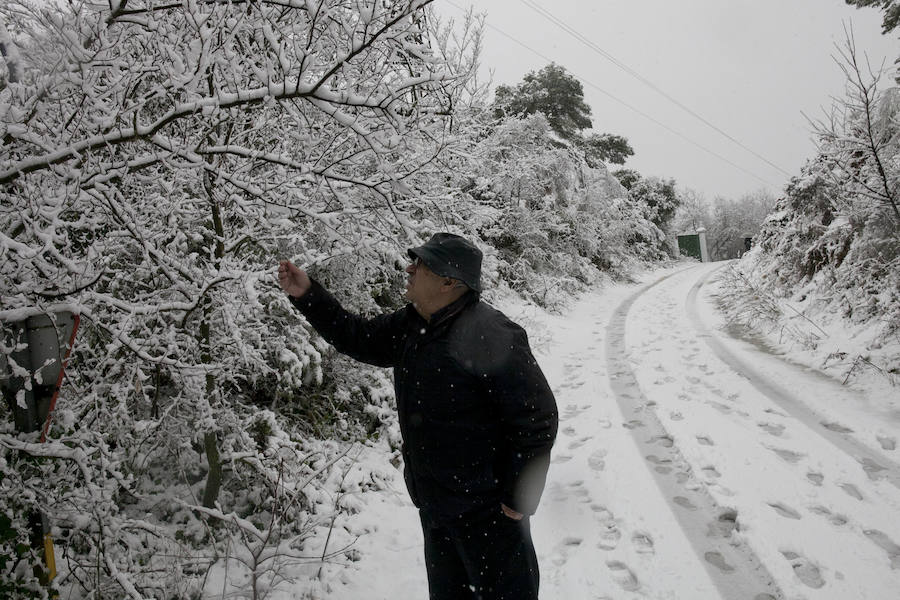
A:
(450, 255)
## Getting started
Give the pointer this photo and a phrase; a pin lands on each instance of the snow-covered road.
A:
(689, 465)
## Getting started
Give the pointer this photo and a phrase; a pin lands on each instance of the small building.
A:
(694, 245)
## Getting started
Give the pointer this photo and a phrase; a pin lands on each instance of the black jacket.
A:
(476, 414)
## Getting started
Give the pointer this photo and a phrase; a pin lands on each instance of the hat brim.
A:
(439, 267)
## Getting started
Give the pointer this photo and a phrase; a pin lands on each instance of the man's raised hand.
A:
(292, 279)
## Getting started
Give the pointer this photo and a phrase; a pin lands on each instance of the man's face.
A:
(423, 286)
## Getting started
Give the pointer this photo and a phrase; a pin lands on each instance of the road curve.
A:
(732, 566)
(875, 464)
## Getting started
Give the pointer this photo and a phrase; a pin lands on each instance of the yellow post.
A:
(49, 557)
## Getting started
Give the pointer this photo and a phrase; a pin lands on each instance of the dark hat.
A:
(450, 255)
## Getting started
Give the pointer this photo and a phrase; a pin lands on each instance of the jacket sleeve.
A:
(375, 341)
(516, 386)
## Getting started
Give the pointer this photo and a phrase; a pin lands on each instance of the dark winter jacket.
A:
(476, 414)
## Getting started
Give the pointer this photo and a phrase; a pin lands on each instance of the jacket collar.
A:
(450, 311)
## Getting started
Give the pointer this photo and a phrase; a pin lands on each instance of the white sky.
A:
(750, 67)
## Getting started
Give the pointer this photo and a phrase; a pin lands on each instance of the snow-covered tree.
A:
(158, 159)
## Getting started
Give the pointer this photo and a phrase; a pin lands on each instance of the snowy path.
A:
(875, 463)
(689, 466)
(734, 569)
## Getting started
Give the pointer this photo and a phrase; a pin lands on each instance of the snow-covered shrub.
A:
(832, 246)
(158, 159)
(555, 223)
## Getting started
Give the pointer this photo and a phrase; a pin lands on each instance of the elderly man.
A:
(476, 415)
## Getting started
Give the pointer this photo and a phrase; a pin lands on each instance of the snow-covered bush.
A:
(556, 223)
(832, 246)
(158, 159)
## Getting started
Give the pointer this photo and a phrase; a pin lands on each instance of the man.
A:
(476, 415)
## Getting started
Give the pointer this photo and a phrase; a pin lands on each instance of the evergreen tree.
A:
(891, 10)
(606, 148)
(551, 91)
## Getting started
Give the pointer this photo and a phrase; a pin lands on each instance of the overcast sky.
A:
(752, 68)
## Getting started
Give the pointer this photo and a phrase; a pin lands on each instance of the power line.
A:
(626, 105)
(593, 46)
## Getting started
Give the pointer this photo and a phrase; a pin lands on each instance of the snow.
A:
(676, 474)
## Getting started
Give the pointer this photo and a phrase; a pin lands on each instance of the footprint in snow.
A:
(563, 550)
(772, 429)
(578, 443)
(623, 575)
(676, 416)
(705, 441)
(596, 460)
(570, 431)
(724, 524)
(788, 455)
(886, 544)
(833, 518)
(808, 573)
(872, 469)
(722, 408)
(561, 458)
(711, 472)
(663, 440)
(643, 542)
(852, 490)
(684, 503)
(717, 560)
(633, 424)
(836, 427)
(572, 385)
(572, 410)
(609, 529)
(609, 536)
(556, 492)
(662, 464)
(579, 490)
(816, 478)
(785, 511)
(887, 443)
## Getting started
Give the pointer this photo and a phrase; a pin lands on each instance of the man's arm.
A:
(529, 420)
(374, 341)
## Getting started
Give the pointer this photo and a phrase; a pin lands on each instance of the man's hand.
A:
(515, 516)
(292, 279)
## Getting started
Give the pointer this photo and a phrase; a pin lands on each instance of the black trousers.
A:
(485, 557)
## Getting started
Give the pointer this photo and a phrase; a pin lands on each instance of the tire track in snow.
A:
(733, 568)
(875, 465)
